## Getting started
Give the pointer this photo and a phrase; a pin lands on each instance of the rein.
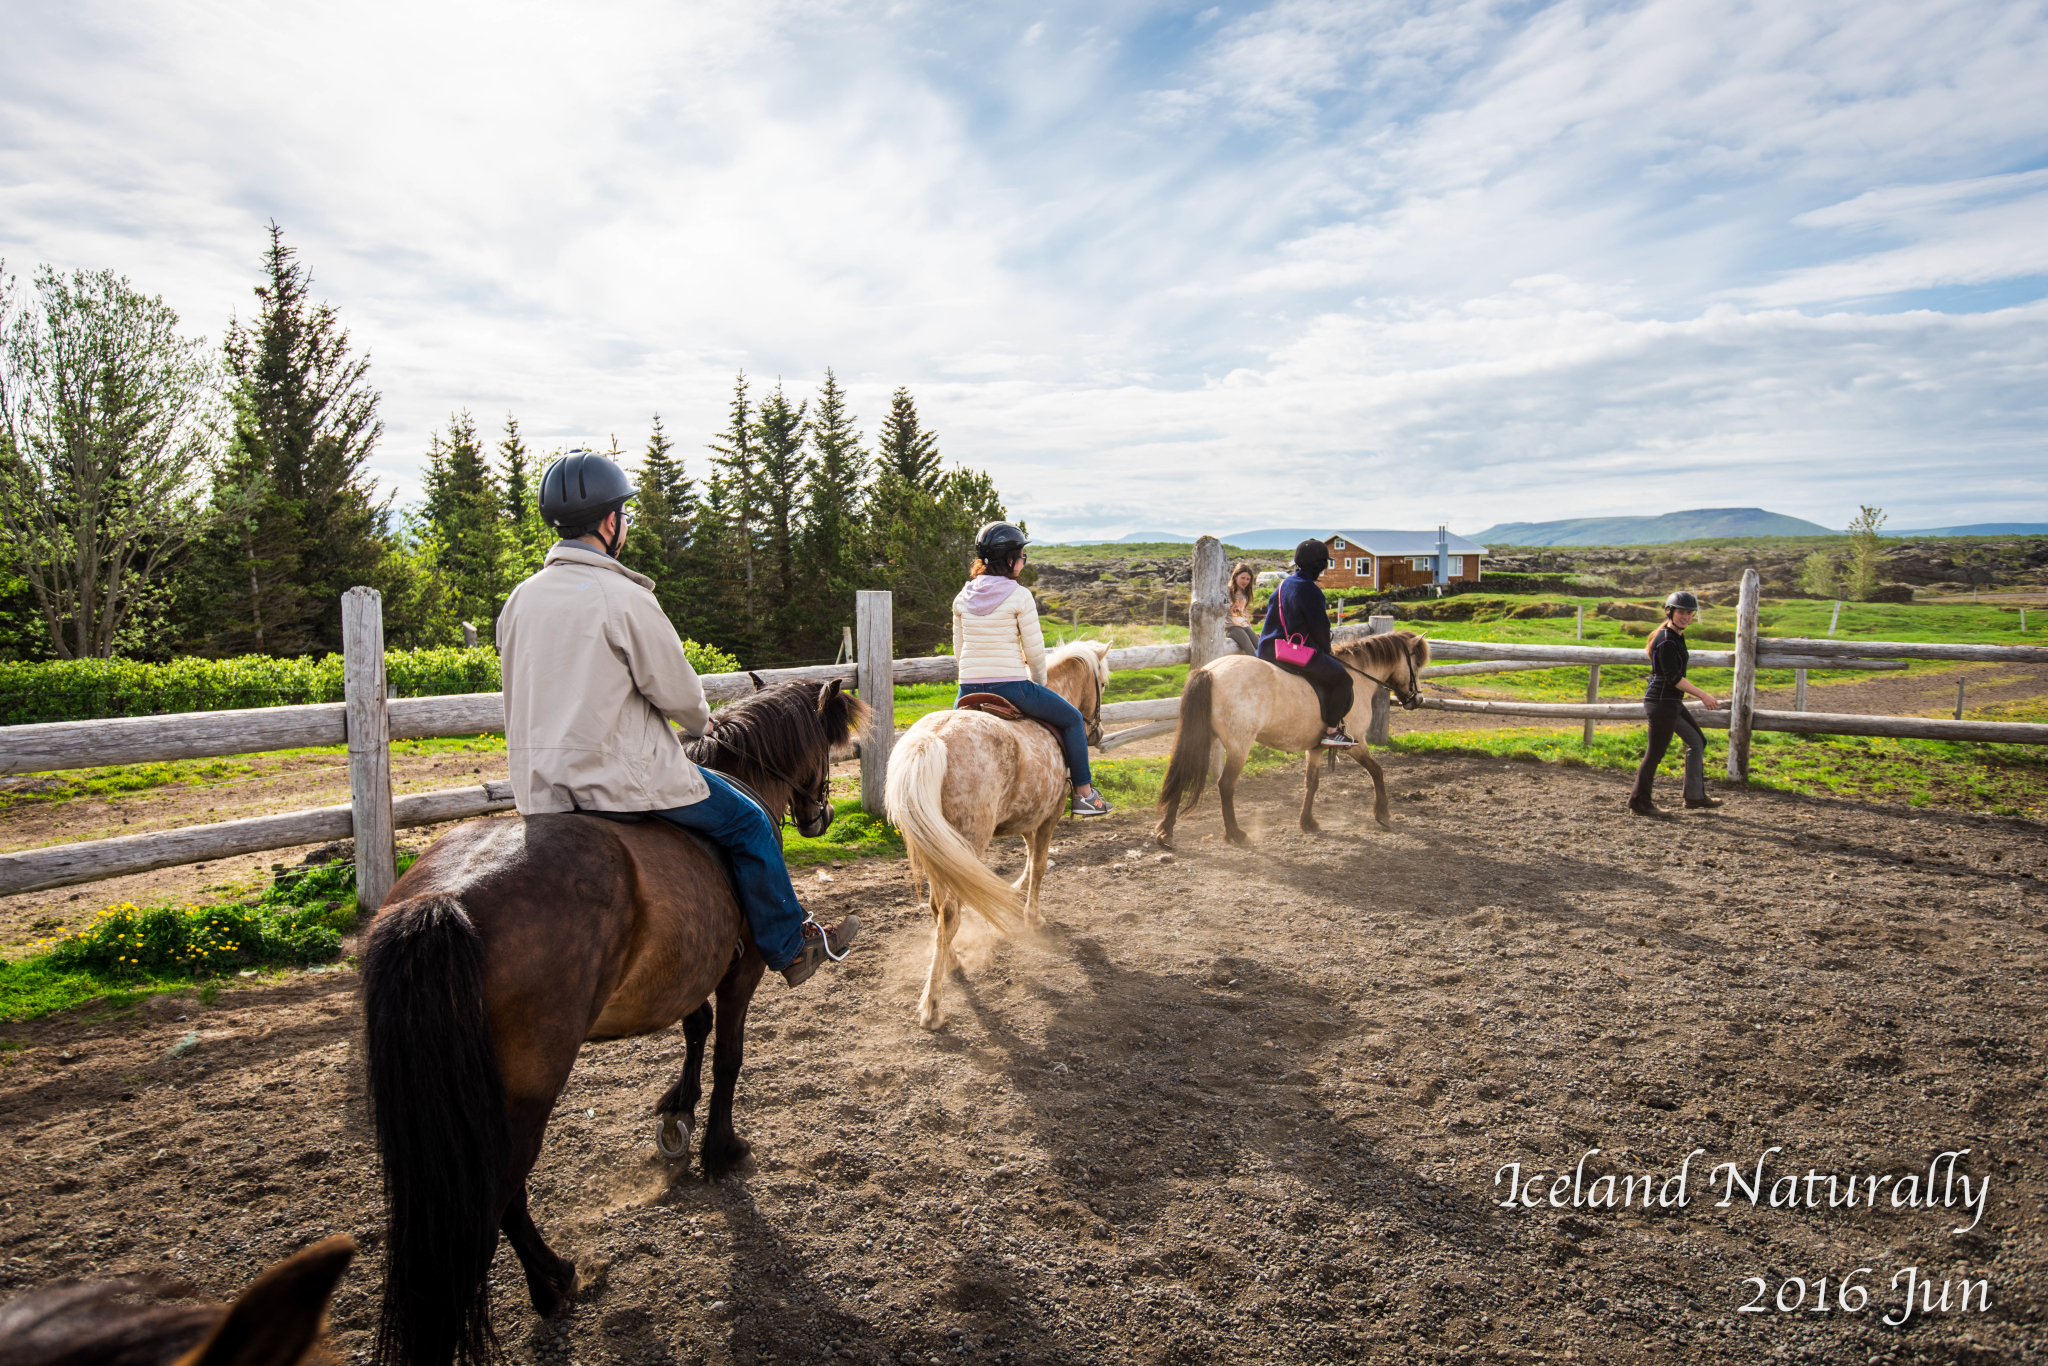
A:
(1382, 682)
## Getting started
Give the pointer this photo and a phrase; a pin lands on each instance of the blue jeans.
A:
(1038, 701)
(731, 819)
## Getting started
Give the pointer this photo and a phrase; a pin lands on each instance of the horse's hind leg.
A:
(723, 1149)
(1226, 796)
(1379, 787)
(1037, 852)
(676, 1112)
(945, 924)
(549, 1278)
(1312, 779)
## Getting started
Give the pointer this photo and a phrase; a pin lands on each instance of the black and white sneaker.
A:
(1090, 805)
(1337, 739)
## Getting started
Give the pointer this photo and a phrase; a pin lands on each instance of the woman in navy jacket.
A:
(1297, 611)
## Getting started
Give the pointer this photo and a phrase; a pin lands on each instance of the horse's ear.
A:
(277, 1319)
(827, 695)
(759, 686)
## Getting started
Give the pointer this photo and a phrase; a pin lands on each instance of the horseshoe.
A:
(681, 1125)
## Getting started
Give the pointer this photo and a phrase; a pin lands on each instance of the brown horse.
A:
(1233, 703)
(275, 1322)
(505, 947)
(957, 779)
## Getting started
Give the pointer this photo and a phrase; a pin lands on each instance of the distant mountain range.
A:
(1697, 524)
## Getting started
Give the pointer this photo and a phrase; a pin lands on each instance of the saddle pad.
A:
(995, 704)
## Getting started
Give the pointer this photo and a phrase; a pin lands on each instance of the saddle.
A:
(998, 706)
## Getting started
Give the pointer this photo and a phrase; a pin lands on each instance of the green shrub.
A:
(127, 941)
(88, 689)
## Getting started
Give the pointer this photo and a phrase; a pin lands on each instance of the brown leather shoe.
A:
(1703, 803)
(1649, 811)
(821, 945)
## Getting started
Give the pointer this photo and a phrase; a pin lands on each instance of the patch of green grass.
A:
(854, 834)
(35, 987)
(1938, 774)
(1133, 784)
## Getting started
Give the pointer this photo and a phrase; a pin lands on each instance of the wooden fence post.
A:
(1834, 617)
(1742, 696)
(369, 744)
(469, 635)
(1380, 727)
(875, 675)
(1959, 699)
(1592, 695)
(1799, 690)
(1208, 604)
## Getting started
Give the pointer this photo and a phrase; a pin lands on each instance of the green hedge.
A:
(88, 689)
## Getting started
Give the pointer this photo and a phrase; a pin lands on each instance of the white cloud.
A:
(1438, 259)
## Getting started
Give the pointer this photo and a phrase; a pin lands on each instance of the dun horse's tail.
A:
(917, 776)
(438, 1101)
(1189, 767)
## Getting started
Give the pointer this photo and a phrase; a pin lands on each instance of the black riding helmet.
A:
(579, 491)
(1681, 601)
(998, 543)
(1312, 557)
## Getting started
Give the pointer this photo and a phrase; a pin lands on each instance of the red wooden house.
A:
(1380, 561)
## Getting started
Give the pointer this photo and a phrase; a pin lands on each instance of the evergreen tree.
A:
(837, 494)
(905, 448)
(781, 463)
(462, 522)
(659, 544)
(733, 506)
(526, 537)
(923, 546)
(306, 424)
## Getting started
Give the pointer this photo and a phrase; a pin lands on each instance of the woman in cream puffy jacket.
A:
(996, 638)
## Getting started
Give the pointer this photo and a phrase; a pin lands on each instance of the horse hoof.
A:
(679, 1125)
(1311, 828)
(1387, 826)
(929, 1020)
(1237, 837)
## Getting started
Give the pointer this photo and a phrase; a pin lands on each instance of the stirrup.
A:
(1339, 740)
(825, 939)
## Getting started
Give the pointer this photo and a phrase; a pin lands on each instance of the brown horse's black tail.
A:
(1189, 767)
(438, 1101)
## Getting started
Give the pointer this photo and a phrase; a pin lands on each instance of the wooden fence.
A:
(367, 721)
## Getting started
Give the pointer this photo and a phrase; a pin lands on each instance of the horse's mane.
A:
(1092, 653)
(785, 727)
(1385, 649)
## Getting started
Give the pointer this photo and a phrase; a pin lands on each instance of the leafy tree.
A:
(109, 421)
(907, 450)
(1865, 546)
(924, 545)
(1820, 575)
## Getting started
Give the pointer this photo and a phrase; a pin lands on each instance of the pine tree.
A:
(912, 453)
(463, 523)
(526, 537)
(306, 424)
(660, 543)
(834, 540)
(732, 503)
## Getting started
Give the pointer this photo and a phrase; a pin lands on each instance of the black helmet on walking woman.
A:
(1681, 601)
(998, 541)
(580, 490)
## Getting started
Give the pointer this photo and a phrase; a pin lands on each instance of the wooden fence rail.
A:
(369, 720)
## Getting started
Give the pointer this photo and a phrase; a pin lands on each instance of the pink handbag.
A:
(1289, 649)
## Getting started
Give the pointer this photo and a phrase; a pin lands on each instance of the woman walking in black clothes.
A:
(1664, 704)
(1297, 613)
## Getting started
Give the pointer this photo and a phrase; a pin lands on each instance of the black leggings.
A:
(1668, 719)
(1330, 679)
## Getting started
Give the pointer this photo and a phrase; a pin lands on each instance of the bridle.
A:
(820, 801)
(1409, 700)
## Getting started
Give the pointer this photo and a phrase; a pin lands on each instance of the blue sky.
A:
(1155, 266)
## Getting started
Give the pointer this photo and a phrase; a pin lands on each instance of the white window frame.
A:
(1424, 563)
(1337, 543)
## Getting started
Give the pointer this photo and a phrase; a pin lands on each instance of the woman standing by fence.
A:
(1664, 705)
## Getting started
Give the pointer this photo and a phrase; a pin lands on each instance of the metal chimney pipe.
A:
(1443, 554)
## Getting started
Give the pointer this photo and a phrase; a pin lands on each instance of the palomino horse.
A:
(275, 1322)
(1236, 702)
(959, 778)
(500, 951)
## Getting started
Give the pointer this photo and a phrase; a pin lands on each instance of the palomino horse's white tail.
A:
(917, 777)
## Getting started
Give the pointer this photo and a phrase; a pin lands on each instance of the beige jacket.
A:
(591, 667)
(1005, 644)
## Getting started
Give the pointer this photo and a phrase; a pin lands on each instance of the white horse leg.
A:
(945, 924)
(1039, 846)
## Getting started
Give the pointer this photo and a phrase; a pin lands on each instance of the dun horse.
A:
(1238, 701)
(960, 778)
(505, 947)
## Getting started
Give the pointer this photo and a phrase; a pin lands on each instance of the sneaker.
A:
(821, 945)
(1337, 739)
(1703, 803)
(1091, 805)
(1649, 811)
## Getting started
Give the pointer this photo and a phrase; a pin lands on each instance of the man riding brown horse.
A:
(593, 674)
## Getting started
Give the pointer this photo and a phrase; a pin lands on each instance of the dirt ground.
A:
(1232, 1105)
